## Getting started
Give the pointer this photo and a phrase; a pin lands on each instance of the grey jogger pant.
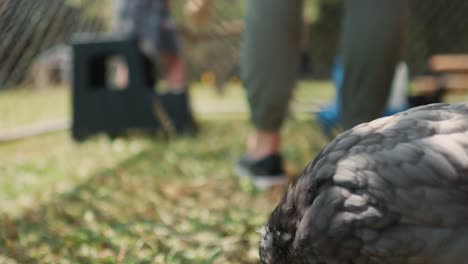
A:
(269, 58)
(372, 42)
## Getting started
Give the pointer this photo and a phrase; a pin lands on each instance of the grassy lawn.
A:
(23, 107)
(138, 200)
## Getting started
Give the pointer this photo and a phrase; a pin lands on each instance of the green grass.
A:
(23, 107)
(138, 199)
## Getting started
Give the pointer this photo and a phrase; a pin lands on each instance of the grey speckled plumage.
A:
(394, 190)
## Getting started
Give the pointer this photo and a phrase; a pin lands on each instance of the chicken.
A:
(394, 190)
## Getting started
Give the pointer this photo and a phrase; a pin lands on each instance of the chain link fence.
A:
(33, 34)
(29, 29)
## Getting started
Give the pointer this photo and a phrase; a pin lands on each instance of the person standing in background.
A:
(151, 23)
(371, 46)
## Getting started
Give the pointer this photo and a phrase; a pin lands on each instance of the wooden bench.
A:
(450, 73)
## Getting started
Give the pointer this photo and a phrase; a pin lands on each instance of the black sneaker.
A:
(264, 173)
(177, 106)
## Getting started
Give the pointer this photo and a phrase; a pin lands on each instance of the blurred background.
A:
(140, 199)
(34, 32)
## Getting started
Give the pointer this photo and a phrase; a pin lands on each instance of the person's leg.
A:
(171, 53)
(121, 75)
(175, 72)
(269, 60)
(176, 99)
(372, 44)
